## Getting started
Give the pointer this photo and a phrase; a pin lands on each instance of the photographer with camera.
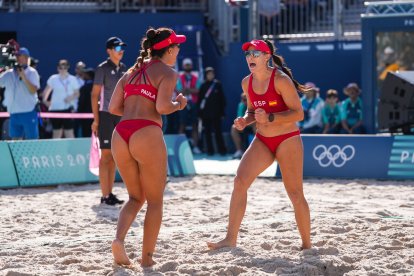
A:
(21, 84)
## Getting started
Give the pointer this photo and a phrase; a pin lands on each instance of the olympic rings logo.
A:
(333, 155)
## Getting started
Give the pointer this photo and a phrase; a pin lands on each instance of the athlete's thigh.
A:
(147, 146)
(289, 156)
(127, 166)
(255, 160)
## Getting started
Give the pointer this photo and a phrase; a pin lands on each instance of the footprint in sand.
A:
(266, 246)
(275, 225)
(169, 266)
(70, 260)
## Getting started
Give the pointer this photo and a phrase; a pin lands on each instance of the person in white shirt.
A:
(65, 89)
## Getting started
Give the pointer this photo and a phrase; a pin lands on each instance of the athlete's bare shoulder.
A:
(245, 82)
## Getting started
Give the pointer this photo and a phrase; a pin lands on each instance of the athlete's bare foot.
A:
(223, 243)
(118, 251)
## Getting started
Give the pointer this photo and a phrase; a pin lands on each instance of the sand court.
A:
(359, 227)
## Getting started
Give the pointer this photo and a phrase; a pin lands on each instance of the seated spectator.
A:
(331, 113)
(312, 108)
(240, 138)
(352, 111)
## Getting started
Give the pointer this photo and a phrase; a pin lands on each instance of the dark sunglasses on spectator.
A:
(119, 48)
(62, 67)
(332, 96)
(253, 53)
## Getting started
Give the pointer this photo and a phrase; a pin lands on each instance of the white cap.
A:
(388, 50)
(187, 61)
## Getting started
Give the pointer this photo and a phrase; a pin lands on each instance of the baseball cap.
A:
(113, 42)
(187, 61)
(23, 51)
(258, 45)
(209, 69)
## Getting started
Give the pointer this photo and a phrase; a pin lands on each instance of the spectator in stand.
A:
(85, 105)
(312, 108)
(211, 106)
(65, 90)
(352, 111)
(189, 84)
(20, 97)
(240, 138)
(331, 113)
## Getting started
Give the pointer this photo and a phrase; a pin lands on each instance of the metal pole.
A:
(337, 19)
(117, 6)
(254, 22)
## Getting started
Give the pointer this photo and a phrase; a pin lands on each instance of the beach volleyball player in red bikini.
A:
(273, 104)
(141, 96)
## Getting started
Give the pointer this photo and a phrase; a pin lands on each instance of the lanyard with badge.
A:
(203, 101)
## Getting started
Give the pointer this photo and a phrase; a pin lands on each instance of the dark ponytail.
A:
(152, 37)
(279, 61)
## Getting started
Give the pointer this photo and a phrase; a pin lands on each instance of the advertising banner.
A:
(346, 156)
(180, 157)
(401, 161)
(8, 177)
(52, 162)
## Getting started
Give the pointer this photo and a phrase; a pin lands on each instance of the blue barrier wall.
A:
(8, 176)
(358, 156)
(370, 28)
(51, 162)
(59, 161)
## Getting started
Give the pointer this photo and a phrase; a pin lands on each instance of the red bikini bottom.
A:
(126, 128)
(273, 142)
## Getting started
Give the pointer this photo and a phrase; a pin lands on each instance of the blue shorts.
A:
(24, 125)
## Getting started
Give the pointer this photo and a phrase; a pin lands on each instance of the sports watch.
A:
(271, 117)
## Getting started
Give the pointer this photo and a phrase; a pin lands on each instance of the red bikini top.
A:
(135, 87)
(270, 101)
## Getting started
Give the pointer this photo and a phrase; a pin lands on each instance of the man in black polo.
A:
(107, 75)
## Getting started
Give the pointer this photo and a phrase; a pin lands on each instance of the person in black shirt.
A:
(211, 110)
(84, 103)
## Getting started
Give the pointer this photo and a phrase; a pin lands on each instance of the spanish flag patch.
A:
(272, 103)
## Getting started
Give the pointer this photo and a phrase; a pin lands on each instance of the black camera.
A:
(8, 55)
(17, 66)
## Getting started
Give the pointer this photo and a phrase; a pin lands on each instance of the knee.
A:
(137, 201)
(155, 205)
(107, 158)
(240, 184)
(297, 197)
